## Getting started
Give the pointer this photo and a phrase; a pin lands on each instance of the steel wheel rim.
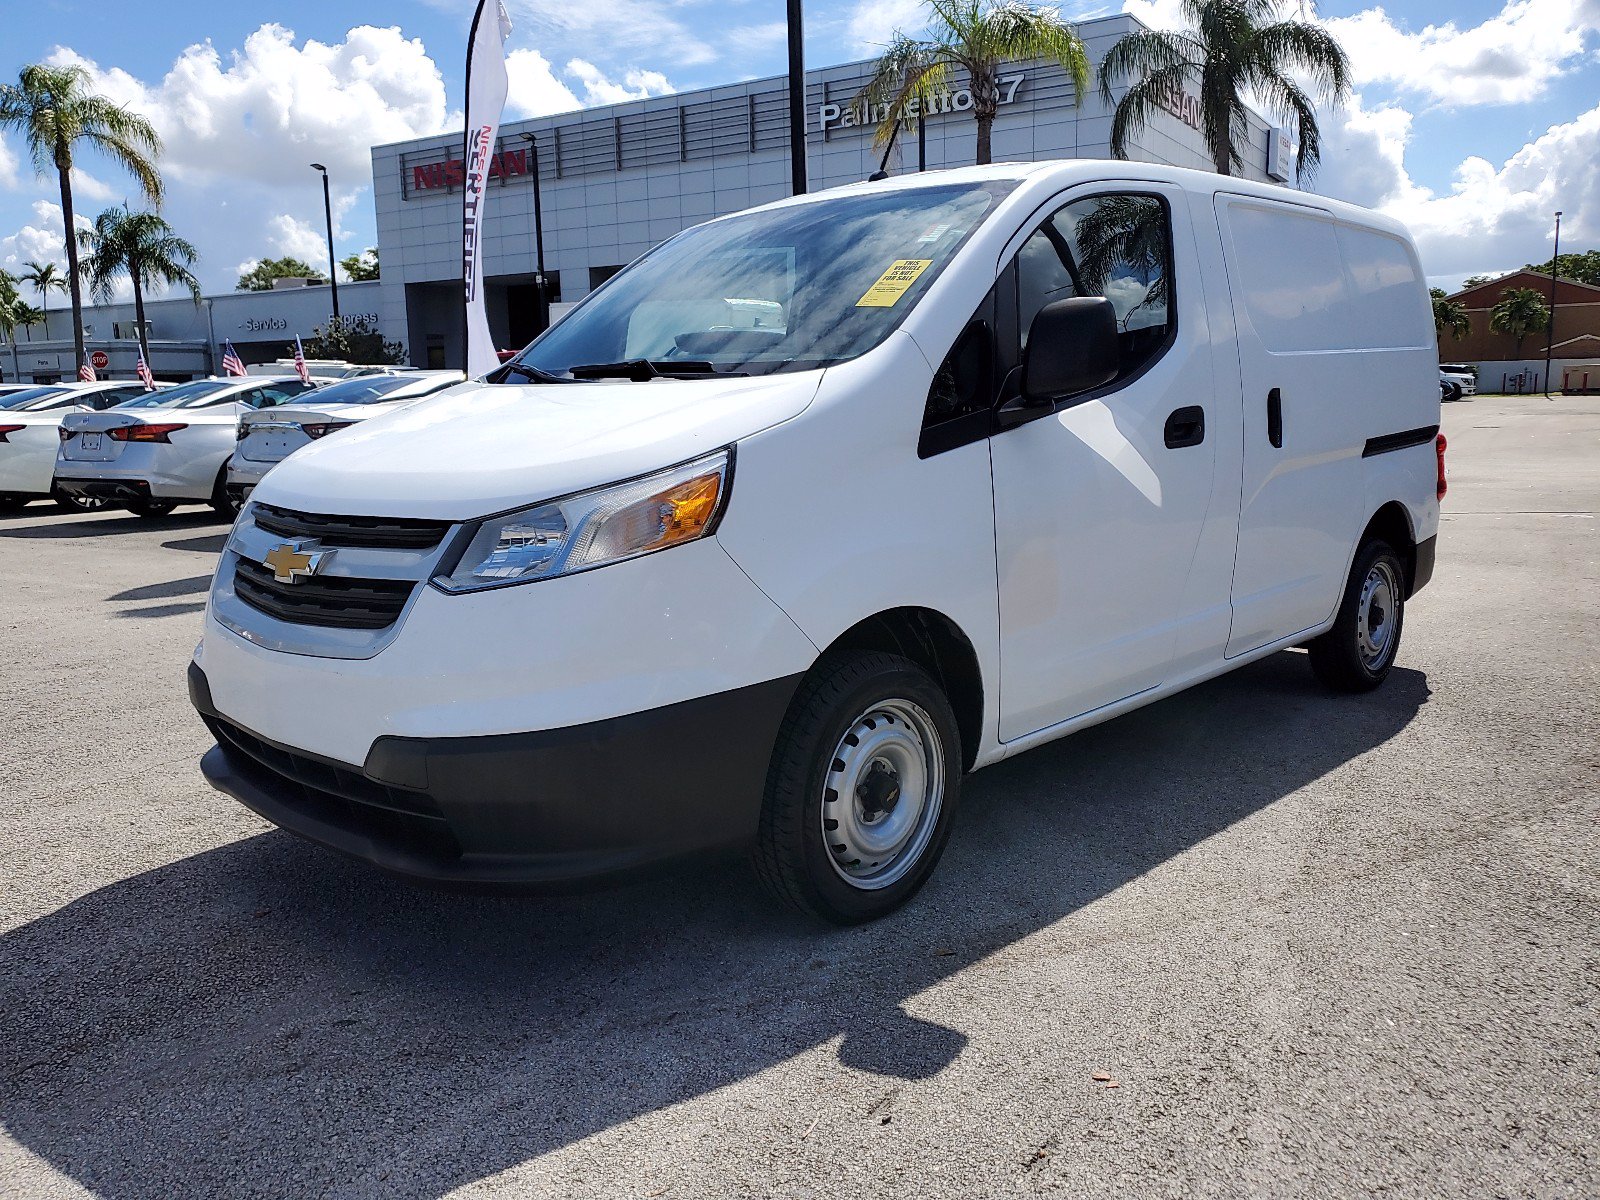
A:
(882, 794)
(1378, 615)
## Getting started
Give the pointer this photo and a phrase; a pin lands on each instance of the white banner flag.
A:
(486, 98)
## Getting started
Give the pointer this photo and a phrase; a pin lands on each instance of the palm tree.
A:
(1233, 47)
(45, 278)
(55, 112)
(1521, 311)
(143, 247)
(978, 37)
(9, 300)
(1449, 316)
(26, 316)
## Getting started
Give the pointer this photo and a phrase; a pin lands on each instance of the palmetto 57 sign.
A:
(832, 117)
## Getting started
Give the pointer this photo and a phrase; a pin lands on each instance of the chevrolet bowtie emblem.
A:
(290, 564)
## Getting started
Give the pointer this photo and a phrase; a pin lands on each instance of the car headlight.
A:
(593, 529)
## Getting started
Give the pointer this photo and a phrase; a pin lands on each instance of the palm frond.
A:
(1144, 52)
(1142, 100)
(1309, 49)
(1284, 96)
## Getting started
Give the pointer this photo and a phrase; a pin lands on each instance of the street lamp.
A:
(1550, 328)
(538, 234)
(797, 100)
(327, 213)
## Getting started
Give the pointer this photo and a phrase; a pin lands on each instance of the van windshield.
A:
(785, 289)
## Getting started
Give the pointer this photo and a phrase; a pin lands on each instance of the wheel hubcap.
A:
(1377, 615)
(882, 794)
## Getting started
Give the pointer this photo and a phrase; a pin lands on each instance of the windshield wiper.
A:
(533, 373)
(642, 370)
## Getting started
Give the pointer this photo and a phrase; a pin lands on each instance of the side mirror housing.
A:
(1072, 348)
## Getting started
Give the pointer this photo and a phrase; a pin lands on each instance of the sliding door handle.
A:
(1275, 418)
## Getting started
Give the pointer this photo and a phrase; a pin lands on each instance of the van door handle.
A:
(1185, 427)
(1275, 418)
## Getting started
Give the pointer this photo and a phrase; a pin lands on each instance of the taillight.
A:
(144, 433)
(5, 429)
(326, 427)
(1439, 445)
(66, 434)
(242, 432)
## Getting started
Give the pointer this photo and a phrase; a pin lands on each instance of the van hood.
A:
(484, 448)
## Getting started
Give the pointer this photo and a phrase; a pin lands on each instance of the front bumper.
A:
(521, 811)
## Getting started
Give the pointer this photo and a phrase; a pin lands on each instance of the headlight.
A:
(593, 529)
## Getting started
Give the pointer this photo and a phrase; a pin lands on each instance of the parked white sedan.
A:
(160, 451)
(267, 438)
(30, 422)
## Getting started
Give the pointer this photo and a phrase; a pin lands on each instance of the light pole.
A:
(327, 213)
(797, 99)
(1550, 327)
(538, 234)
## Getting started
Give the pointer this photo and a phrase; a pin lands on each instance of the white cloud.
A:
(272, 107)
(1499, 218)
(87, 187)
(1510, 58)
(635, 85)
(534, 90)
(10, 167)
(40, 241)
(873, 23)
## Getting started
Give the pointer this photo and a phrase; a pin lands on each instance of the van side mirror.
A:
(1072, 348)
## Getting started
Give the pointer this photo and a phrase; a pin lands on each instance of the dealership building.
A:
(615, 181)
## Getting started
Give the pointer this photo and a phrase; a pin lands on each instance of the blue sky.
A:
(1471, 122)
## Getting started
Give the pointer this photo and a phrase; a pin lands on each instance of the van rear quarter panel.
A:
(834, 516)
(1334, 317)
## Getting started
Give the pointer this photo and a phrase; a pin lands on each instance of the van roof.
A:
(1053, 174)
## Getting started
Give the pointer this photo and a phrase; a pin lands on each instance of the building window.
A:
(598, 275)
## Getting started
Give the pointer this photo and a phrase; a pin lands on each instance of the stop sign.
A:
(100, 360)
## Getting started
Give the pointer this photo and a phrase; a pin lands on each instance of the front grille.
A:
(387, 533)
(341, 797)
(322, 600)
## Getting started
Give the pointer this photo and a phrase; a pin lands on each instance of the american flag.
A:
(232, 364)
(143, 370)
(300, 361)
(86, 372)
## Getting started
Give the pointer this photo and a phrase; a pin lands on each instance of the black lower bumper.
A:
(133, 491)
(1422, 571)
(523, 811)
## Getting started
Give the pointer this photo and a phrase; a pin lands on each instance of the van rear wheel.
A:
(862, 788)
(1357, 653)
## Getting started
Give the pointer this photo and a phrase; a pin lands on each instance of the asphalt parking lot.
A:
(1322, 946)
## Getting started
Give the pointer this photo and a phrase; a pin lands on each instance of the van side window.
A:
(1118, 246)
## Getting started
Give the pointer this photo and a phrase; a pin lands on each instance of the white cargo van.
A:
(818, 507)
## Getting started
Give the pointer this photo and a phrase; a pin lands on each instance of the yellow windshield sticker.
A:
(892, 284)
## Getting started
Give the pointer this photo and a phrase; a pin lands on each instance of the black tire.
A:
(224, 504)
(1455, 392)
(151, 509)
(1345, 658)
(794, 853)
(67, 502)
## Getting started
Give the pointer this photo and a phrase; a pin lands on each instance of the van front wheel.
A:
(1356, 654)
(862, 788)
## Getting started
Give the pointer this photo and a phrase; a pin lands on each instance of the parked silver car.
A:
(166, 449)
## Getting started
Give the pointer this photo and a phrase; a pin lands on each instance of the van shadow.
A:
(267, 1017)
